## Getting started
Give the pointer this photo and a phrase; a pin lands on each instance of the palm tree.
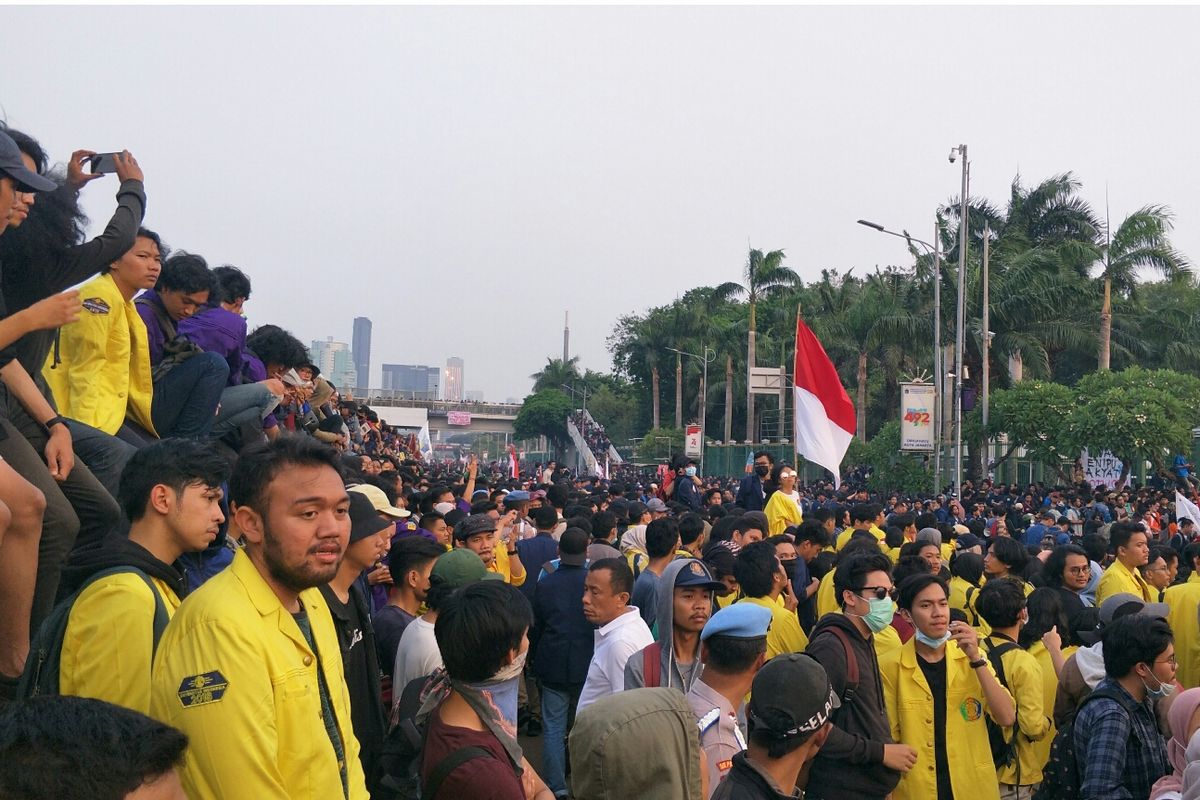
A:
(556, 373)
(1140, 241)
(764, 276)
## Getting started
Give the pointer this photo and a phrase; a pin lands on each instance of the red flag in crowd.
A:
(824, 414)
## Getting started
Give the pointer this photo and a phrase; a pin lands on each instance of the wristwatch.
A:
(977, 664)
(50, 423)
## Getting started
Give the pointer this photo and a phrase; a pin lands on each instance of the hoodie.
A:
(670, 674)
(850, 763)
(116, 550)
(633, 547)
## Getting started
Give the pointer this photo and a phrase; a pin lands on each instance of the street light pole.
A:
(939, 372)
(987, 343)
(960, 321)
(703, 395)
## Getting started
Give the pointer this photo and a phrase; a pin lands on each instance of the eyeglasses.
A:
(1171, 659)
(1084, 570)
(787, 475)
(880, 592)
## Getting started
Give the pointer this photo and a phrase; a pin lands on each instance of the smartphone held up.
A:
(103, 163)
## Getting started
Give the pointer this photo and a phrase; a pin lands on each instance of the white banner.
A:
(917, 416)
(424, 444)
(691, 441)
(1102, 469)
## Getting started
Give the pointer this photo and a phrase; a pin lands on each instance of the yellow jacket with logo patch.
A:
(103, 373)
(109, 640)
(910, 710)
(234, 672)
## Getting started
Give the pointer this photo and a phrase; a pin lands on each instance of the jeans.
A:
(558, 715)
(106, 456)
(250, 402)
(185, 399)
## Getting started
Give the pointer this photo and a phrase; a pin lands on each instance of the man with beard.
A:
(250, 668)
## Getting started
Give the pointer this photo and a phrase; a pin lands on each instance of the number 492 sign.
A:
(917, 417)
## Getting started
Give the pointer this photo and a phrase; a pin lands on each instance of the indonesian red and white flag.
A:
(513, 466)
(824, 414)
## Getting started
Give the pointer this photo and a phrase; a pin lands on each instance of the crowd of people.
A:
(593, 434)
(222, 578)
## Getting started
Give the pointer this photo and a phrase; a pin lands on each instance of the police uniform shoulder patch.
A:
(96, 306)
(199, 690)
(725, 766)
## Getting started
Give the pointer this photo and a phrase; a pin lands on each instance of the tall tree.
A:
(556, 373)
(1140, 241)
(763, 276)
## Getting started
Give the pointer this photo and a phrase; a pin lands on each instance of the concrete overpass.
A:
(444, 418)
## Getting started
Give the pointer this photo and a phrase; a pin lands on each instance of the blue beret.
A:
(518, 496)
(740, 620)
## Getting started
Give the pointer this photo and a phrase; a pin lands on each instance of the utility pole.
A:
(960, 322)
(987, 343)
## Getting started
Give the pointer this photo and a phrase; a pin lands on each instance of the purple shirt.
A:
(216, 330)
(155, 335)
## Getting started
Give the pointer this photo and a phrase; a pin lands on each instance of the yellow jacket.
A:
(109, 641)
(1184, 602)
(1040, 750)
(785, 634)
(910, 709)
(827, 599)
(1119, 578)
(782, 511)
(845, 535)
(502, 565)
(234, 672)
(1023, 674)
(104, 370)
(959, 587)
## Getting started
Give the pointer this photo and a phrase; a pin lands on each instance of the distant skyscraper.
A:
(335, 362)
(566, 337)
(414, 381)
(361, 347)
(453, 386)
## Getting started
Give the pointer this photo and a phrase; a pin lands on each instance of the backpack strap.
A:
(448, 765)
(652, 666)
(164, 320)
(971, 608)
(851, 664)
(995, 652)
(549, 567)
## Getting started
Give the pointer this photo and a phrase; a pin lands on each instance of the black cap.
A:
(572, 547)
(473, 526)
(11, 165)
(364, 519)
(790, 696)
(696, 574)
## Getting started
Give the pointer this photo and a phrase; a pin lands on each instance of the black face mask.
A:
(762, 471)
(789, 568)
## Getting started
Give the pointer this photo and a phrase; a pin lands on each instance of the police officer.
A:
(733, 647)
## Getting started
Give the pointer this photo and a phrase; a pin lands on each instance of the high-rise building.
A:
(415, 381)
(360, 345)
(335, 361)
(453, 387)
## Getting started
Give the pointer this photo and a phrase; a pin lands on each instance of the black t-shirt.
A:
(935, 676)
(361, 666)
(389, 623)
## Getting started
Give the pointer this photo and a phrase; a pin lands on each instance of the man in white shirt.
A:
(621, 630)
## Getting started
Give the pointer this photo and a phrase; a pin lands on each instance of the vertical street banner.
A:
(917, 417)
(691, 441)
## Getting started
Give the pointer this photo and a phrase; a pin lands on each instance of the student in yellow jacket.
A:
(783, 507)
(1183, 600)
(938, 687)
(1002, 604)
(763, 582)
(250, 667)
(100, 370)
(1043, 640)
(171, 492)
(1132, 550)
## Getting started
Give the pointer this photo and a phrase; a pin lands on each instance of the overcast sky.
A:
(462, 176)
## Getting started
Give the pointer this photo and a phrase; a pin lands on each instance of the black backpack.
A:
(400, 757)
(41, 674)
(1004, 750)
(1060, 778)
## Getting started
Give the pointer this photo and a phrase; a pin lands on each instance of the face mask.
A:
(929, 641)
(762, 471)
(690, 472)
(789, 569)
(880, 615)
(503, 687)
(1163, 690)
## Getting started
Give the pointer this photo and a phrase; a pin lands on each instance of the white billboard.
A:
(918, 404)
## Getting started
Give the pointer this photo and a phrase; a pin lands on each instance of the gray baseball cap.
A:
(11, 165)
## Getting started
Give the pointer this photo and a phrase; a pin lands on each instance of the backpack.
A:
(176, 349)
(1004, 750)
(1060, 777)
(400, 757)
(652, 666)
(41, 674)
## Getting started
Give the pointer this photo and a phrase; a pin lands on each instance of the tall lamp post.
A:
(709, 356)
(939, 371)
(960, 321)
